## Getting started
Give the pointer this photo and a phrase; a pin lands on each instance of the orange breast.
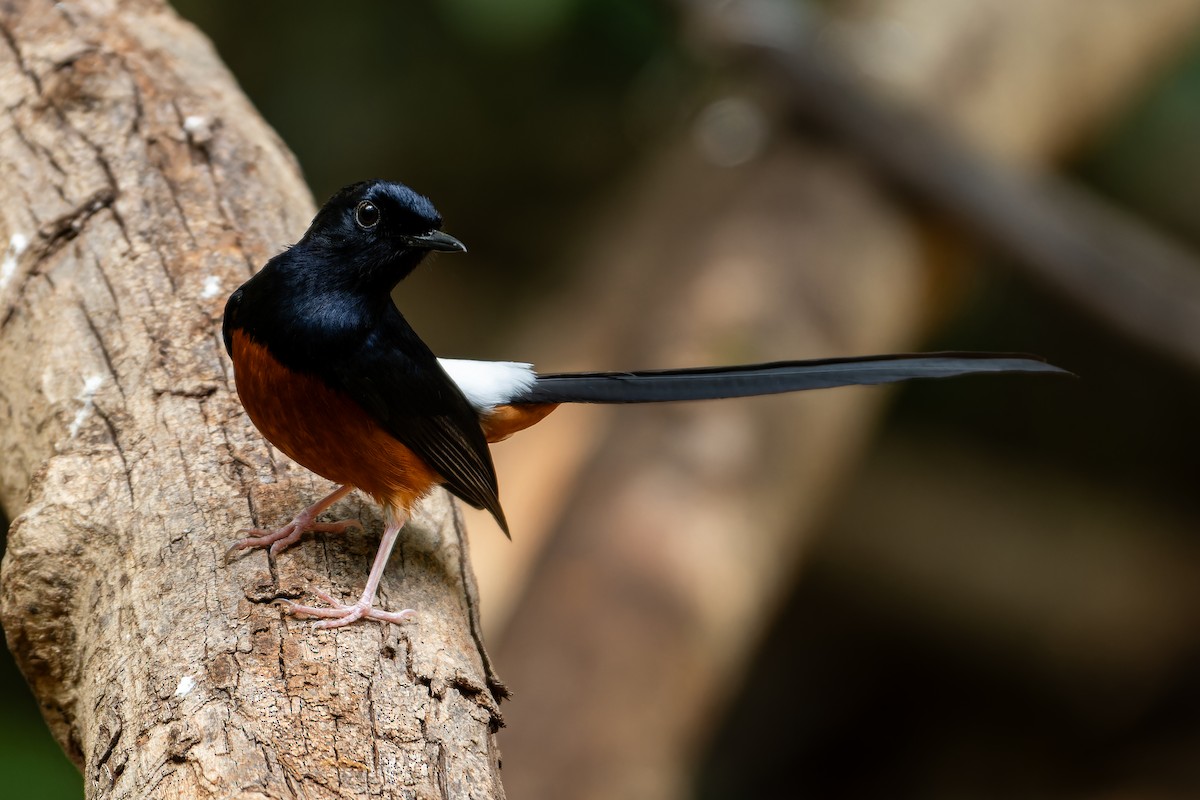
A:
(326, 431)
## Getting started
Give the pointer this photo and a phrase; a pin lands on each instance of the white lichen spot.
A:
(186, 684)
(212, 287)
(198, 128)
(8, 266)
(87, 398)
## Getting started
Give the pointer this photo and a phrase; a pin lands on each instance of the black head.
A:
(374, 233)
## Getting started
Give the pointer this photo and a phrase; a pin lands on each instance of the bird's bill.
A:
(436, 240)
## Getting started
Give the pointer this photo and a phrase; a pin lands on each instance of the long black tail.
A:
(713, 383)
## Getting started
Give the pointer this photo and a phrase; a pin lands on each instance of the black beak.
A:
(436, 240)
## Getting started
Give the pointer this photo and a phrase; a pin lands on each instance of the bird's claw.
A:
(340, 614)
(287, 535)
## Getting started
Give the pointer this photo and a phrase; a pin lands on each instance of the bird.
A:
(332, 374)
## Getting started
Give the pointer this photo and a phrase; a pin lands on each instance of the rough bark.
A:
(140, 189)
(686, 524)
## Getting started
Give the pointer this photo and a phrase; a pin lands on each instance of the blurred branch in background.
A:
(686, 525)
(680, 537)
(975, 625)
(1098, 255)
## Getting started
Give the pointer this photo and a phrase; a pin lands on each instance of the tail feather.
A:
(714, 383)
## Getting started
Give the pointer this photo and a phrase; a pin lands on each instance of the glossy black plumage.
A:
(333, 374)
(323, 307)
(749, 380)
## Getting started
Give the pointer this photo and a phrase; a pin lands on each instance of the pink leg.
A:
(282, 538)
(341, 614)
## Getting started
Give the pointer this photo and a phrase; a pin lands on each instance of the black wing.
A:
(397, 379)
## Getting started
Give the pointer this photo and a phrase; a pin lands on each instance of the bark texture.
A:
(140, 189)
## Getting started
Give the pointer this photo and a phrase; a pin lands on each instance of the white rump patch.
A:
(488, 384)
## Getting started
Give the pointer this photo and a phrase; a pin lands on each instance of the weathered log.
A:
(140, 189)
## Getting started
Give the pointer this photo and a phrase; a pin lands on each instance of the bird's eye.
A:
(366, 215)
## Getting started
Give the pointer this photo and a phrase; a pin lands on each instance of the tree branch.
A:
(143, 189)
(1100, 257)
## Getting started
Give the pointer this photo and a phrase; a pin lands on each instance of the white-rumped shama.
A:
(333, 375)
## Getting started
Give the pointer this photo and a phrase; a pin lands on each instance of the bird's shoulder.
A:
(301, 320)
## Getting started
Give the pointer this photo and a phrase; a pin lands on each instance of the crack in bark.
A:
(273, 593)
(139, 111)
(68, 62)
(39, 149)
(201, 392)
(59, 231)
(179, 209)
(99, 339)
(109, 287)
(109, 195)
(441, 770)
(187, 473)
(126, 475)
(11, 40)
(374, 727)
(499, 691)
(65, 13)
(114, 737)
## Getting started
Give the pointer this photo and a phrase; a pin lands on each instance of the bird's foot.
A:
(284, 537)
(341, 614)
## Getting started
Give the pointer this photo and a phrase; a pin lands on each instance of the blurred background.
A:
(981, 588)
